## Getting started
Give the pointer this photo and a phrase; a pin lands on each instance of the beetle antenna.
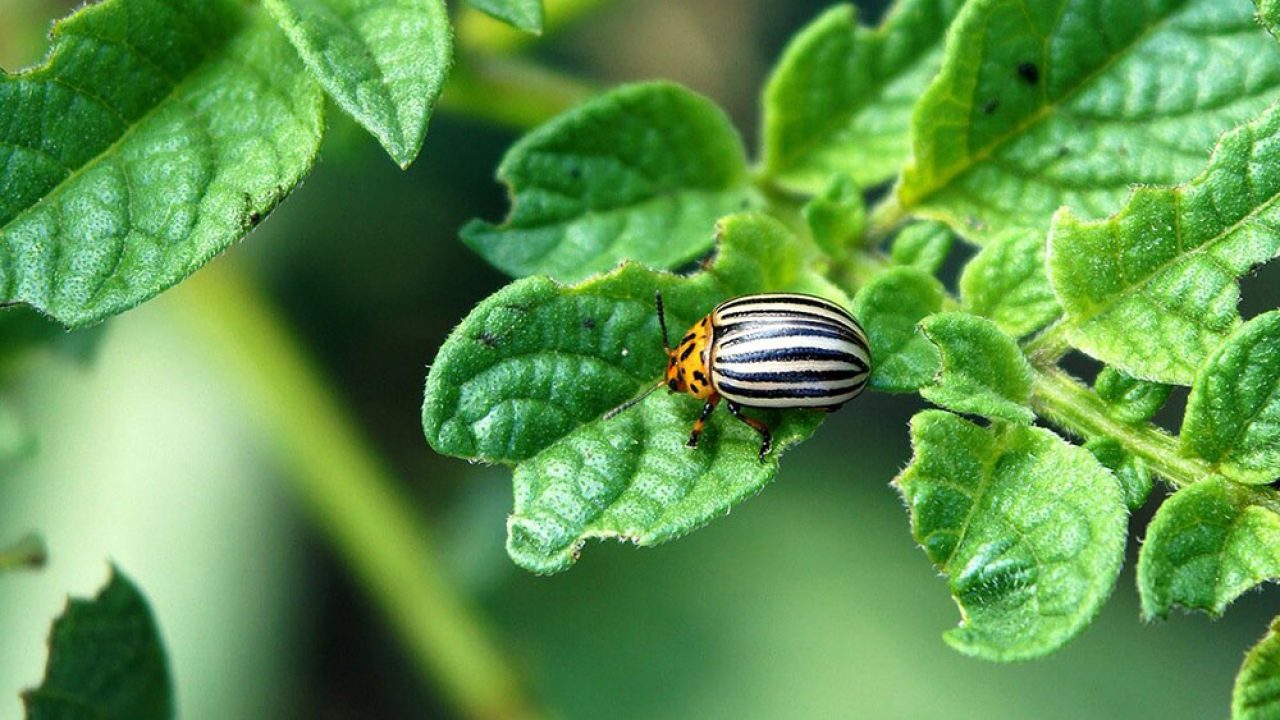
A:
(662, 321)
(633, 400)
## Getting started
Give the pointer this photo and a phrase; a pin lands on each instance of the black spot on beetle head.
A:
(1029, 72)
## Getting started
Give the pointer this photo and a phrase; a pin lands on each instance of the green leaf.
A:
(1233, 413)
(27, 553)
(1029, 529)
(1007, 282)
(1208, 544)
(383, 61)
(890, 308)
(837, 217)
(1153, 289)
(526, 377)
(641, 173)
(1257, 691)
(105, 661)
(923, 245)
(841, 96)
(983, 371)
(158, 133)
(1129, 470)
(521, 14)
(1071, 102)
(1129, 399)
(1269, 15)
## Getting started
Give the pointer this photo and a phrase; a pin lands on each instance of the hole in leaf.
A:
(1260, 290)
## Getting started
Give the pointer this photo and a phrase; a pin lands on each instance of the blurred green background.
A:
(809, 601)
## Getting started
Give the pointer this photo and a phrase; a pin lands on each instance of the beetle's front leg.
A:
(702, 420)
(766, 438)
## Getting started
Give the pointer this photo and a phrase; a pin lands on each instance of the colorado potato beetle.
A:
(778, 350)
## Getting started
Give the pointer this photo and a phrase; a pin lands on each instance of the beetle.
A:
(772, 350)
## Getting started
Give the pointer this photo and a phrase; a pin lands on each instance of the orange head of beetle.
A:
(688, 363)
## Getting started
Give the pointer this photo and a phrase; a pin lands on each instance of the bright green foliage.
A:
(1129, 470)
(1233, 414)
(924, 245)
(526, 377)
(1029, 529)
(523, 14)
(837, 217)
(105, 661)
(1257, 691)
(1007, 282)
(158, 133)
(1269, 14)
(1071, 102)
(983, 372)
(1208, 544)
(641, 172)
(890, 308)
(383, 61)
(841, 96)
(1153, 289)
(1129, 399)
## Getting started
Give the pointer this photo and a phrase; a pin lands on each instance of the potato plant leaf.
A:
(837, 216)
(1153, 289)
(1206, 545)
(1007, 283)
(1028, 528)
(1233, 413)
(524, 15)
(841, 96)
(983, 372)
(641, 173)
(157, 133)
(106, 661)
(923, 245)
(1129, 399)
(526, 377)
(1129, 470)
(1071, 102)
(1257, 691)
(890, 308)
(383, 61)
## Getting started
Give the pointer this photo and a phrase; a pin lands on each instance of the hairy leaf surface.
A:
(1257, 691)
(1233, 413)
(383, 61)
(105, 661)
(983, 372)
(1153, 289)
(1129, 399)
(841, 96)
(1007, 283)
(1129, 470)
(157, 133)
(526, 377)
(837, 216)
(1208, 544)
(1029, 529)
(1071, 102)
(890, 308)
(923, 245)
(641, 173)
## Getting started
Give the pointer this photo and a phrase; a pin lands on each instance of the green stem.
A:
(1072, 406)
(350, 493)
(885, 217)
(1045, 349)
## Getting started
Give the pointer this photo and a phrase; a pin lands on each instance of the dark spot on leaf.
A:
(487, 340)
(1063, 151)
(255, 218)
(991, 106)
(744, 204)
(1029, 72)
(575, 172)
(517, 307)
(975, 223)
(1122, 150)
(589, 323)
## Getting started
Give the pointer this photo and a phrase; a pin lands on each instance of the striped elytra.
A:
(781, 350)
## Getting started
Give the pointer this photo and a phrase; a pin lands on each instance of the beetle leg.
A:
(766, 438)
(702, 420)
